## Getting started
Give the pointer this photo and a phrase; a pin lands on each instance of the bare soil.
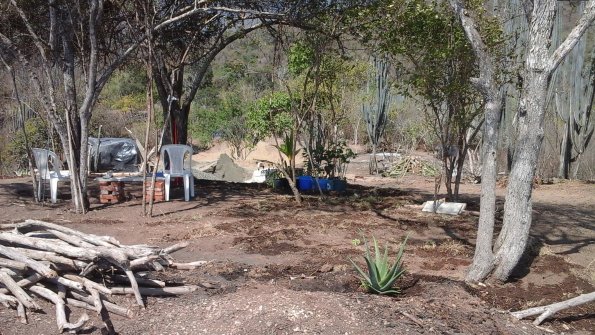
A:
(279, 268)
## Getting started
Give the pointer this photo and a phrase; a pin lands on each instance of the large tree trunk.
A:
(518, 206)
(539, 66)
(493, 94)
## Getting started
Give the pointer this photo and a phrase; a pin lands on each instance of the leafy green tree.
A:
(428, 47)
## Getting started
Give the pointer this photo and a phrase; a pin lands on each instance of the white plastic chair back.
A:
(179, 158)
(49, 168)
(179, 164)
(43, 159)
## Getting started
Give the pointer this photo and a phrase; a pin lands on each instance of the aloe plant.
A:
(381, 276)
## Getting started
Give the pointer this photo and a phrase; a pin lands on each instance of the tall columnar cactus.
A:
(376, 112)
(573, 101)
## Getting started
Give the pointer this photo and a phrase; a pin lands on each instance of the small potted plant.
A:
(328, 166)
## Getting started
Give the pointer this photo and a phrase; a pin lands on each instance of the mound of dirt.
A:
(224, 170)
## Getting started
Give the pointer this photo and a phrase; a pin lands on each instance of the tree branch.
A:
(583, 24)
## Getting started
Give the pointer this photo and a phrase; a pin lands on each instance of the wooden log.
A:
(11, 272)
(8, 263)
(105, 241)
(134, 284)
(67, 283)
(51, 257)
(8, 300)
(7, 225)
(32, 279)
(142, 262)
(89, 254)
(89, 284)
(188, 266)
(141, 281)
(174, 248)
(96, 301)
(111, 307)
(61, 320)
(154, 291)
(18, 292)
(549, 310)
(157, 266)
(47, 245)
(88, 269)
(32, 264)
(71, 239)
(22, 313)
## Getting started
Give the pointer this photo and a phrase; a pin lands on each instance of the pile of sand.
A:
(224, 169)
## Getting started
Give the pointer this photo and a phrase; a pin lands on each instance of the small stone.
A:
(326, 268)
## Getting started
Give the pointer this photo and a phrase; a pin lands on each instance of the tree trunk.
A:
(179, 124)
(565, 152)
(483, 258)
(448, 168)
(493, 96)
(513, 238)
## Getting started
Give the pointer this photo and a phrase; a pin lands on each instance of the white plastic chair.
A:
(54, 173)
(180, 165)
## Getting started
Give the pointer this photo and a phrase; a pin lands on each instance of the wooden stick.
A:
(51, 257)
(153, 291)
(141, 281)
(96, 301)
(8, 300)
(142, 262)
(549, 310)
(134, 284)
(22, 313)
(61, 320)
(34, 265)
(7, 225)
(32, 279)
(111, 254)
(89, 284)
(68, 283)
(44, 244)
(71, 239)
(188, 266)
(18, 292)
(11, 272)
(33, 225)
(111, 307)
(8, 263)
(174, 248)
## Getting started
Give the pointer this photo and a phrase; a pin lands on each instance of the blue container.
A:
(337, 185)
(305, 183)
(324, 184)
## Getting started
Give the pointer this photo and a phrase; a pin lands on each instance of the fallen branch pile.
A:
(71, 268)
(412, 164)
(547, 311)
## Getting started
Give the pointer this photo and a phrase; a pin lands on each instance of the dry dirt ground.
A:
(279, 268)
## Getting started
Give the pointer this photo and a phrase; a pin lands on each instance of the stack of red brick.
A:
(111, 192)
(159, 190)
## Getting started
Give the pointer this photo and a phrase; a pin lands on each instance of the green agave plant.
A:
(381, 276)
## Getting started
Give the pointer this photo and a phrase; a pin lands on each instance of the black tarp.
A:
(115, 154)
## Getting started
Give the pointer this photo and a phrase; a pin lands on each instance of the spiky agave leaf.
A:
(381, 276)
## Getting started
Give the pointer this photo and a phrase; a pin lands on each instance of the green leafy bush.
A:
(381, 276)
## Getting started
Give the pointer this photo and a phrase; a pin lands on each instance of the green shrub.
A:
(15, 151)
(381, 276)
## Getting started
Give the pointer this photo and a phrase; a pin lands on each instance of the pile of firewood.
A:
(71, 268)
